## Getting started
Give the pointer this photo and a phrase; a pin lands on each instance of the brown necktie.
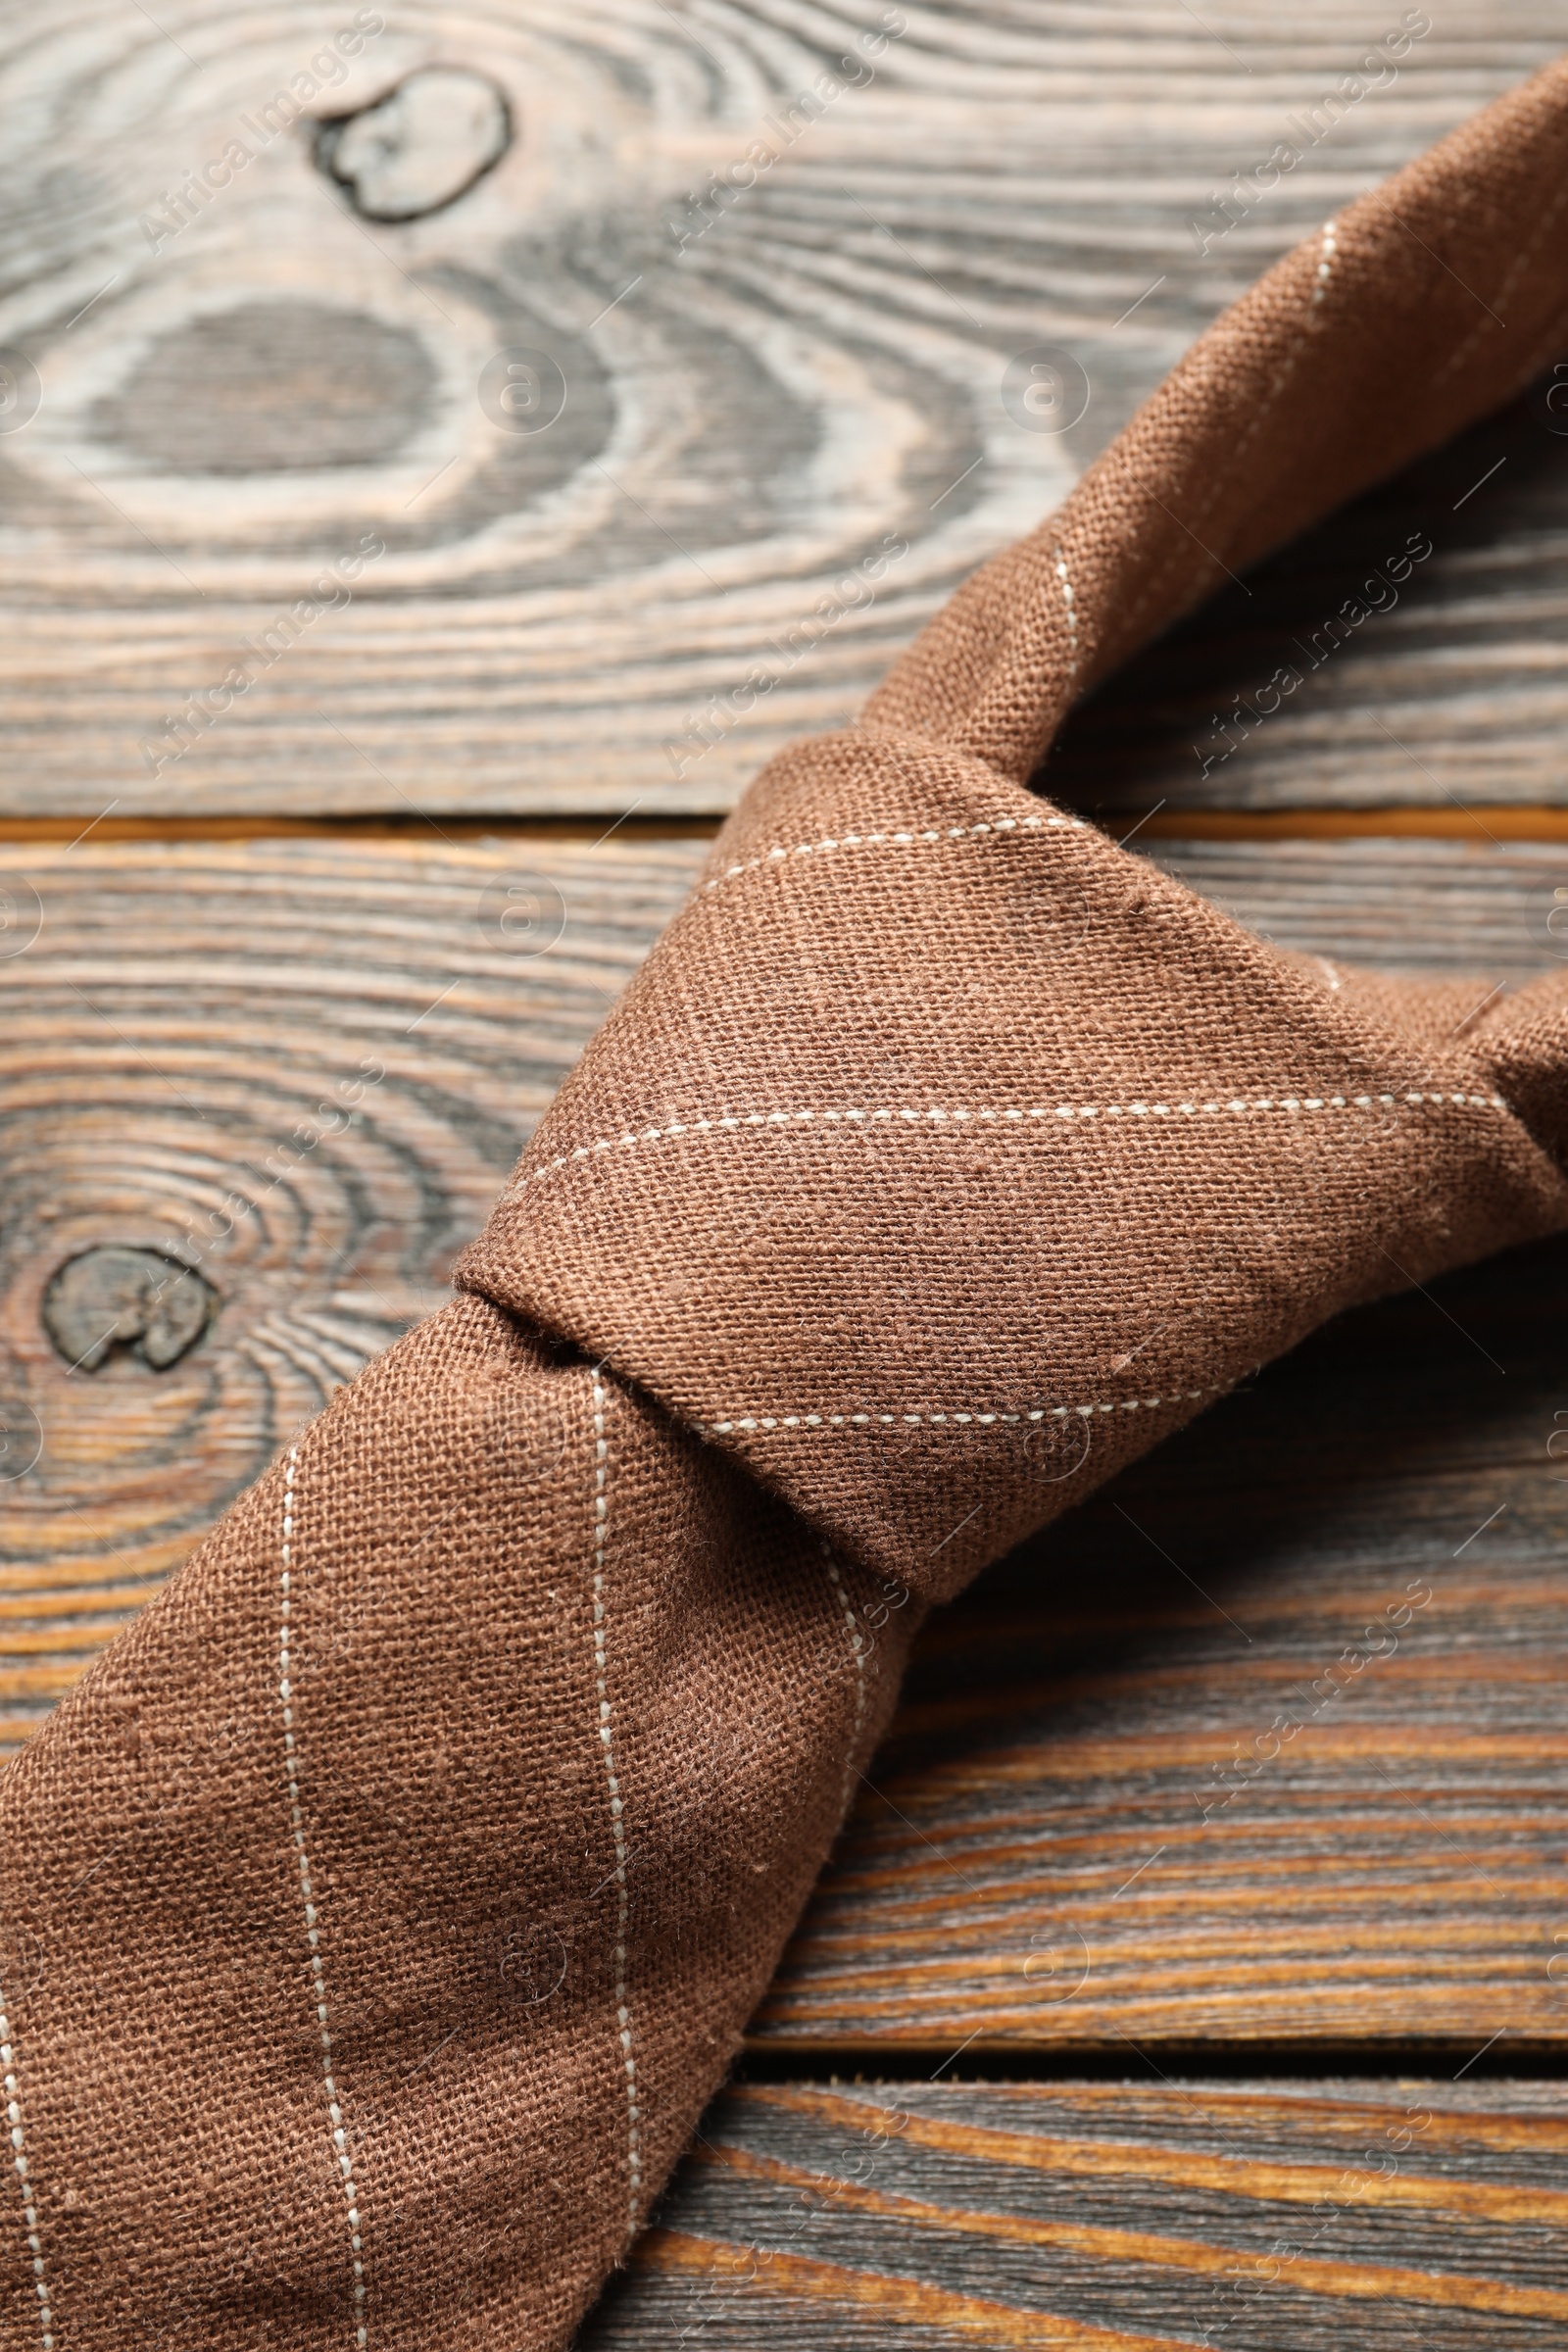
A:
(381, 1910)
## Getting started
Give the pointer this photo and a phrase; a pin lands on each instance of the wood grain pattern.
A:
(1127, 2217)
(189, 1058)
(1498, 910)
(241, 386)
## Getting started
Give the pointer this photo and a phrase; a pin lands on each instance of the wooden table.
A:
(1194, 1969)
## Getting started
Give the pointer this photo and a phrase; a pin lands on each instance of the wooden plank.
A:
(184, 1007)
(243, 388)
(171, 1033)
(1110, 2217)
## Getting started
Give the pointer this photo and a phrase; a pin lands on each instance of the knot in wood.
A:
(134, 1300)
(420, 147)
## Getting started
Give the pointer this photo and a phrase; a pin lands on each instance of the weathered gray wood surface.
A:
(1482, 906)
(299, 1068)
(241, 387)
(1130, 2216)
(188, 1059)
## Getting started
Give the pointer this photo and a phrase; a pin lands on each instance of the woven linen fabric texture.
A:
(379, 1911)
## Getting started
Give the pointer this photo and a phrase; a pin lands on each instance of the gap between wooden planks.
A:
(1523, 823)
